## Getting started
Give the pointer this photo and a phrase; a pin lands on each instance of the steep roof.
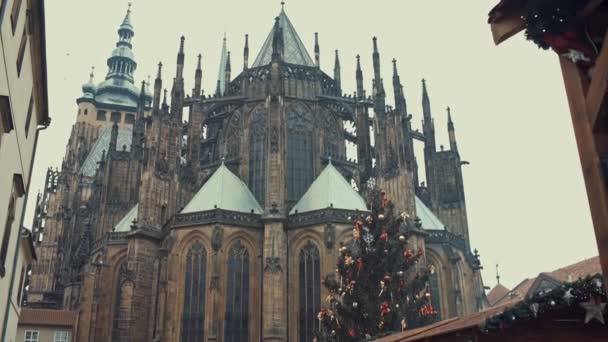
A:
(330, 189)
(224, 190)
(47, 317)
(294, 51)
(497, 293)
(89, 167)
(124, 225)
(428, 219)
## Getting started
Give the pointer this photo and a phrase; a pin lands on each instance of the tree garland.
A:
(586, 295)
(553, 24)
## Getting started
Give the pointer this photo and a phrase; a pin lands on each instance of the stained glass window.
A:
(309, 292)
(236, 327)
(193, 319)
(120, 321)
(299, 164)
(435, 294)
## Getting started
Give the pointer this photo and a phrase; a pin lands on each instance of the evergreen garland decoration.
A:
(553, 17)
(381, 282)
(569, 296)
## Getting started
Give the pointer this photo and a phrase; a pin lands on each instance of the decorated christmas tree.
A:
(381, 281)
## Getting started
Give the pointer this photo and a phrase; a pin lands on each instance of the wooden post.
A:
(576, 89)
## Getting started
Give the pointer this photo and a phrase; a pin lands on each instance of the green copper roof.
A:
(224, 190)
(330, 190)
(294, 51)
(90, 165)
(124, 225)
(429, 220)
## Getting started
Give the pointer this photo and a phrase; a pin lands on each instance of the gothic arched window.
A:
(193, 319)
(124, 291)
(309, 292)
(236, 326)
(435, 293)
(299, 155)
(257, 160)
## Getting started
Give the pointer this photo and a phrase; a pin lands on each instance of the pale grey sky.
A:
(525, 194)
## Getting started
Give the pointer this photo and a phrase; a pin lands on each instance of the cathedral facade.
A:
(221, 227)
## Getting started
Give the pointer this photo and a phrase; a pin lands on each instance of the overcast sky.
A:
(526, 201)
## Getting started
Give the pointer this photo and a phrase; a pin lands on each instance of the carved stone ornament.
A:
(330, 235)
(217, 237)
(274, 139)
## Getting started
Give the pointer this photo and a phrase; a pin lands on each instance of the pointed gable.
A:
(330, 190)
(224, 190)
(427, 217)
(294, 51)
(124, 225)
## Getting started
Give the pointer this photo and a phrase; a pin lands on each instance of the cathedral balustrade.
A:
(442, 237)
(218, 216)
(111, 238)
(322, 216)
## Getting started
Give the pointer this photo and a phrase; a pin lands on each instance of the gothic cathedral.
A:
(194, 217)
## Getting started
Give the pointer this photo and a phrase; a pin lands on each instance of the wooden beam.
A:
(599, 82)
(507, 27)
(595, 184)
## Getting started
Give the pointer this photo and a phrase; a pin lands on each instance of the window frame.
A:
(237, 308)
(21, 52)
(28, 118)
(15, 11)
(31, 338)
(64, 337)
(195, 286)
(309, 291)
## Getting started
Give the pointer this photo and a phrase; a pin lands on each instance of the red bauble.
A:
(385, 308)
(351, 332)
(408, 255)
(384, 236)
(387, 278)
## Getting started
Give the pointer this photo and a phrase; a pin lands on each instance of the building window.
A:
(20, 290)
(61, 336)
(28, 118)
(257, 152)
(101, 115)
(124, 291)
(299, 164)
(21, 54)
(435, 293)
(236, 328)
(193, 319)
(15, 15)
(6, 116)
(116, 116)
(309, 292)
(86, 111)
(31, 336)
(8, 228)
(130, 118)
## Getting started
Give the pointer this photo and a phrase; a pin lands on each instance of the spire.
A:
(376, 59)
(158, 84)
(428, 126)
(221, 78)
(379, 95)
(246, 53)
(317, 51)
(497, 275)
(277, 40)
(165, 106)
(227, 72)
(121, 63)
(400, 104)
(337, 77)
(198, 75)
(359, 76)
(89, 89)
(294, 51)
(451, 132)
(179, 74)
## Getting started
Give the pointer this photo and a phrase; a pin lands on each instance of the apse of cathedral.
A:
(184, 216)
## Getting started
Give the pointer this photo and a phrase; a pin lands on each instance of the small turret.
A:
(317, 51)
(337, 77)
(227, 72)
(89, 89)
(246, 53)
(400, 103)
(221, 75)
(277, 41)
(158, 85)
(451, 132)
(198, 76)
(359, 77)
(428, 126)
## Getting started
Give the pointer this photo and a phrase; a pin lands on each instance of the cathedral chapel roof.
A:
(427, 217)
(90, 165)
(124, 225)
(224, 190)
(330, 190)
(294, 51)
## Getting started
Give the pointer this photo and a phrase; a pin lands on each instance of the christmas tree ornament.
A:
(594, 310)
(402, 238)
(534, 308)
(368, 239)
(552, 302)
(403, 324)
(355, 305)
(381, 217)
(568, 296)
